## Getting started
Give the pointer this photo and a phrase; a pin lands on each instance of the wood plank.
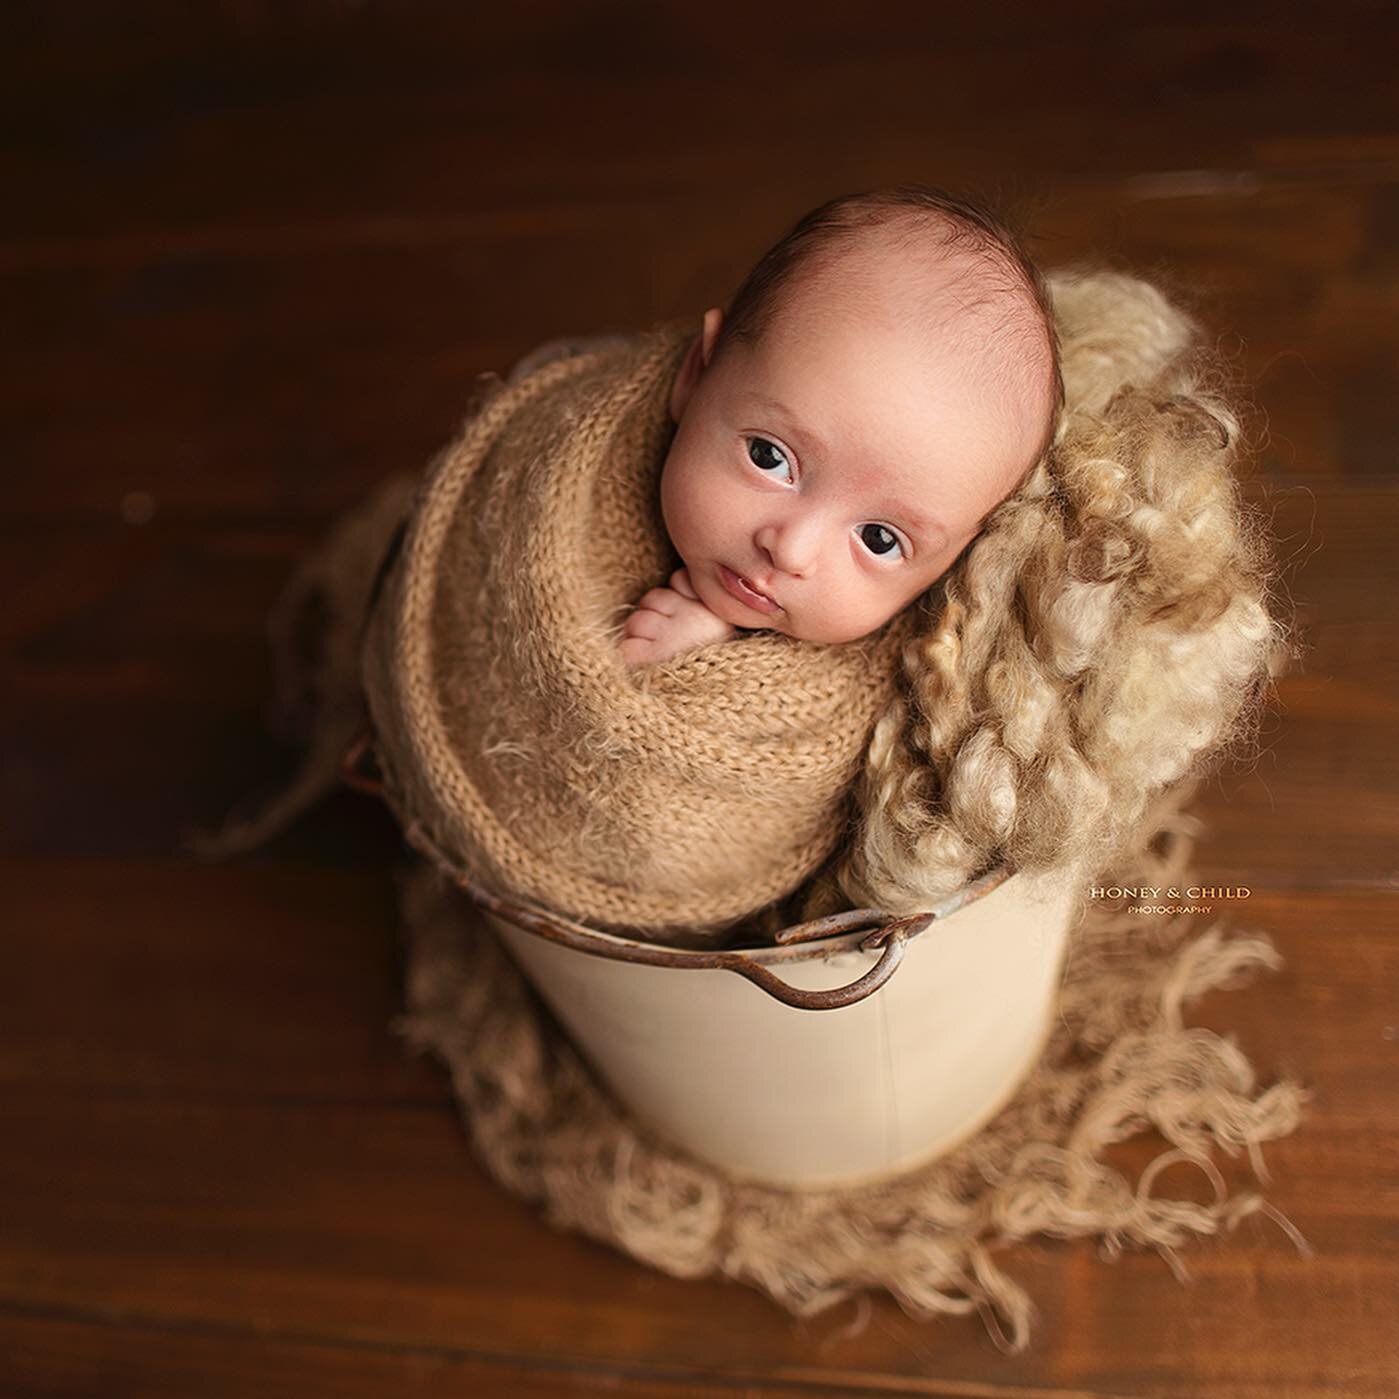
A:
(103, 1358)
(372, 1227)
(1294, 280)
(335, 112)
(108, 1358)
(182, 982)
(215, 1195)
(1288, 812)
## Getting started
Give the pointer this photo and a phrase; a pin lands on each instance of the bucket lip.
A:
(863, 929)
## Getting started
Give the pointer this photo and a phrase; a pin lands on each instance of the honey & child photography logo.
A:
(1147, 898)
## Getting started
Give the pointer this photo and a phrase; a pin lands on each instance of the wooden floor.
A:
(252, 256)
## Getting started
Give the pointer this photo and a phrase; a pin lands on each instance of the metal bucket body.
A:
(800, 1098)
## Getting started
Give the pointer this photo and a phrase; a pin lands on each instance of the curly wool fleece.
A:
(1104, 635)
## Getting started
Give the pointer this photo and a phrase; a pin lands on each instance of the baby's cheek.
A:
(680, 505)
(852, 623)
(698, 497)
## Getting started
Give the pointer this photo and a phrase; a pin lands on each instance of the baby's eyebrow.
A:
(924, 523)
(771, 405)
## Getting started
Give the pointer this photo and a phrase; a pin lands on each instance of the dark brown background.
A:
(252, 257)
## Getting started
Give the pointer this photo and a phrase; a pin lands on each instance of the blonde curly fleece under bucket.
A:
(1121, 1060)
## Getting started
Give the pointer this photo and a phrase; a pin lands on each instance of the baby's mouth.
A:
(740, 588)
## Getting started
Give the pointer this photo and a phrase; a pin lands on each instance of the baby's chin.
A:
(814, 636)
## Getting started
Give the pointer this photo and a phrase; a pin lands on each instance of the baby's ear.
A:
(709, 332)
(696, 361)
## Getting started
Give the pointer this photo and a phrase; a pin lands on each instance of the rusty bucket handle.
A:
(359, 769)
(891, 935)
(837, 997)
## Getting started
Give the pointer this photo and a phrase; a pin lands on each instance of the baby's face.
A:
(837, 466)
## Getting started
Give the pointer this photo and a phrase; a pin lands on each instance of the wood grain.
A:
(234, 1142)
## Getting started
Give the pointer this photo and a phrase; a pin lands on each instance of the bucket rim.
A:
(861, 929)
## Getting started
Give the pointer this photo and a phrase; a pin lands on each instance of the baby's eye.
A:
(768, 457)
(879, 540)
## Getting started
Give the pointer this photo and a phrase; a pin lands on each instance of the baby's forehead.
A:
(906, 326)
(921, 284)
(944, 294)
(954, 319)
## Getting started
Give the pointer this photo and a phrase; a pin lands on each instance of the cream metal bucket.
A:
(852, 1048)
(843, 1054)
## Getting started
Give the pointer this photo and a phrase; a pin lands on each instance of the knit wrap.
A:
(671, 800)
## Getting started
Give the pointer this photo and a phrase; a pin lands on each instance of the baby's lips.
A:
(748, 583)
(740, 585)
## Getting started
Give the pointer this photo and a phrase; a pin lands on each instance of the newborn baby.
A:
(885, 377)
(955, 649)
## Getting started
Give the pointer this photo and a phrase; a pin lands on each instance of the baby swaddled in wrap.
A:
(915, 566)
(666, 800)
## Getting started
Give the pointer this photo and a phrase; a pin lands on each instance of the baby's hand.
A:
(668, 621)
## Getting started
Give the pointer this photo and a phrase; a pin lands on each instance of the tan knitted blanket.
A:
(671, 800)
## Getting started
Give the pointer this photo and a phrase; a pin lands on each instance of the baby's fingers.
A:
(644, 623)
(663, 600)
(637, 650)
(680, 581)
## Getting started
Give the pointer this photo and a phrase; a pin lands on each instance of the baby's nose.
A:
(792, 546)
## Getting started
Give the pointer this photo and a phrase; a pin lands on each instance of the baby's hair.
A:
(905, 215)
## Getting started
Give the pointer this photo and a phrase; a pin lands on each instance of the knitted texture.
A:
(674, 799)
